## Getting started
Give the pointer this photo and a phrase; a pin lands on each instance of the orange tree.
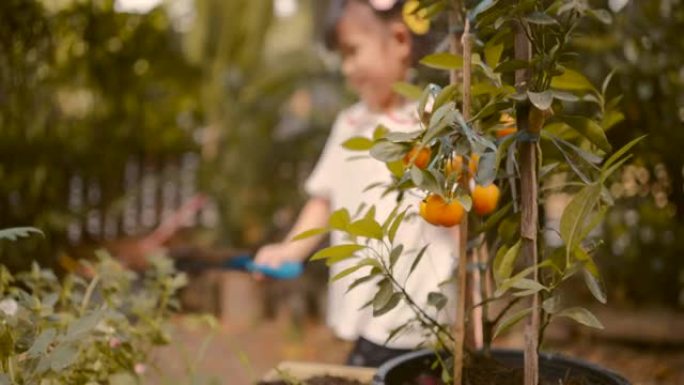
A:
(511, 59)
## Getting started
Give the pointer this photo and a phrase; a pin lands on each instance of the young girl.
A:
(377, 45)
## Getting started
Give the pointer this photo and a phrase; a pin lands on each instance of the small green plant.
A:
(96, 327)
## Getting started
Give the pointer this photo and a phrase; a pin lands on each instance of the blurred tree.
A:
(645, 234)
(83, 89)
(269, 106)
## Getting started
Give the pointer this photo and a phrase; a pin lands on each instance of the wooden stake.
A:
(529, 205)
(459, 326)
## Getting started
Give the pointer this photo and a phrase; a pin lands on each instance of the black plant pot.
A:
(403, 369)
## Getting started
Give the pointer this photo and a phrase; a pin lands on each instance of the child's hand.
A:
(274, 255)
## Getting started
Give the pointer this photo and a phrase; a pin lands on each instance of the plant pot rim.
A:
(549, 358)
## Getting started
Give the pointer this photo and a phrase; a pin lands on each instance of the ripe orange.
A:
(454, 165)
(485, 199)
(440, 213)
(473, 162)
(503, 132)
(509, 126)
(420, 156)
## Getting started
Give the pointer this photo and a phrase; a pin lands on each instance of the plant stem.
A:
(89, 293)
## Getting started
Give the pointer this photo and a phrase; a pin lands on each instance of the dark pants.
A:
(366, 353)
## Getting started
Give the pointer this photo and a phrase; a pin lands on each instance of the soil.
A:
(318, 380)
(482, 370)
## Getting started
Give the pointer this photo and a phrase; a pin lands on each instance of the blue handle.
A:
(287, 270)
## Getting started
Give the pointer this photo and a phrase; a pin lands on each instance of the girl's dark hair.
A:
(421, 44)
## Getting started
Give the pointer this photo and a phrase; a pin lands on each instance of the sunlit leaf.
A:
(589, 129)
(310, 233)
(338, 251)
(15, 233)
(572, 80)
(444, 61)
(407, 90)
(358, 143)
(582, 316)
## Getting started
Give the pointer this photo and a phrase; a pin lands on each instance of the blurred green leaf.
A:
(443, 61)
(407, 90)
(358, 144)
(338, 251)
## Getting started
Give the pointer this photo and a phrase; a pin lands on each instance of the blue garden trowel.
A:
(287, 270)
(186, 260)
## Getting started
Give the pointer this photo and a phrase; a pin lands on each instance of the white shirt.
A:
(342, 181)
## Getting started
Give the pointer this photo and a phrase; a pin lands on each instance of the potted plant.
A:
(514, 118)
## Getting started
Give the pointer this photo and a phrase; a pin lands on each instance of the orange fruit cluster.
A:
(435, 210)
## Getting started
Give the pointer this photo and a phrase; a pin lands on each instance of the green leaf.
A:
(396, 223)
(447, 95)
(619, 153)
(443, 61)
(416, 261)
(552, 304)
(405, 137)
(367, 262)
(492, 53)
(436, 299)
(339, 220)
(380, 131)
(387, 151)
(82, 326)
(591, 275)
(495, 218)
(395, 254)
(540, 18)
(611, 118)
(391, 304)
(541, 100)
(407, 90)
(572, 80)
(310, 233)
(15, 233)
(486, 169)
(510, 321)
(601, 15)
(360, 281)
(383, 295)
(358, 143)
(576, 213)
(338, 251)
(582, 316)
(366, 227)
(63, 356)
(529, 286)
(512, 65)
(589, 129)
(41, 343)
(564, 96)
(503, 264)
